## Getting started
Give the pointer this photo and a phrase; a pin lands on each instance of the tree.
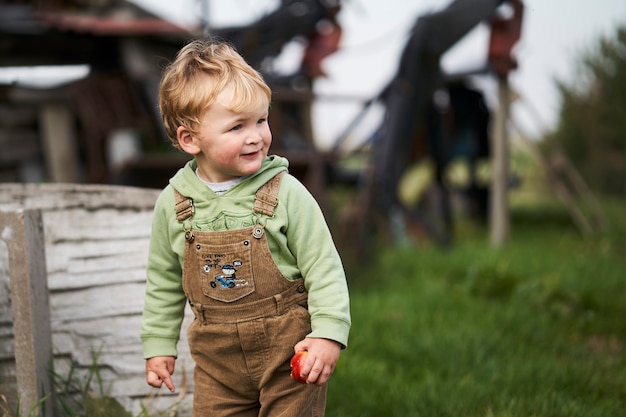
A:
(592, 124)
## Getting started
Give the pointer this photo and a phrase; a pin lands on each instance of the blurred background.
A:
(374, 33)
(399, 99)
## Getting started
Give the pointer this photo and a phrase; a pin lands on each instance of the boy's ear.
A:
(186, 141)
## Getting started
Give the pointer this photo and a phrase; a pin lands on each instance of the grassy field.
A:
(535, 328)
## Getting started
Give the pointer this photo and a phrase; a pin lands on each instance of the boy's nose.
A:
(255, 137)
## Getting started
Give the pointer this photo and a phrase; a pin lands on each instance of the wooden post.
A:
(22, 231)
(59, 142)
(499, 207)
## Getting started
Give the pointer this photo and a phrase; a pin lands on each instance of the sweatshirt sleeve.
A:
(310, 241)
(164, 299)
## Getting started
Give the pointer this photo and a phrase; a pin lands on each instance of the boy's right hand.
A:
(159, 370)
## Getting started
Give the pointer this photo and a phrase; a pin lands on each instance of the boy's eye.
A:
(261, 121)
(237, 127)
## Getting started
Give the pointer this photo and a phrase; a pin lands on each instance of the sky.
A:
(554, 34)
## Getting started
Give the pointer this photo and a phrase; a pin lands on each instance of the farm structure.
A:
(105, 128)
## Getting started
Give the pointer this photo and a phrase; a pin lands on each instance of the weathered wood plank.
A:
(89, 303)
(87, 196)
(96, 242)
(22, 232)
(77, 224)
(66, 281)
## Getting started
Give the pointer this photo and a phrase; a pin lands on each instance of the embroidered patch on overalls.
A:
(225, 270)
(228, 277)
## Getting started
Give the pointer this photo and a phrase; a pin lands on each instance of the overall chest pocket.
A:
(225, 271)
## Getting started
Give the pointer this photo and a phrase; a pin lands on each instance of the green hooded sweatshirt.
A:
(298, 238)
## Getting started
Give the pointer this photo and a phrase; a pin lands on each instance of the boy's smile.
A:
(228, 143)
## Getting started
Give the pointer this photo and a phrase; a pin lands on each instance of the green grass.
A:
(535, 328)
(81, 393)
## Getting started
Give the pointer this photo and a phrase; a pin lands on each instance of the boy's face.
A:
(228, 144)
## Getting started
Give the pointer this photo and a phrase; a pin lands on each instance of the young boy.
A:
(245, 244)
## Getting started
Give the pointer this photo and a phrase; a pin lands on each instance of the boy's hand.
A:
(159, 370)
(321, 360)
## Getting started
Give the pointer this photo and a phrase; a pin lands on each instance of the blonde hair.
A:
(201, 70)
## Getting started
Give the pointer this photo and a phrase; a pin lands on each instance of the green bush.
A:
(592, 121)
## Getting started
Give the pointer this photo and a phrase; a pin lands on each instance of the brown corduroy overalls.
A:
(249, 316)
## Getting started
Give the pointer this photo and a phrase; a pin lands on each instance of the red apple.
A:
(297, 361)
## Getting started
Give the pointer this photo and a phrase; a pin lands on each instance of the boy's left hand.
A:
(321, 360)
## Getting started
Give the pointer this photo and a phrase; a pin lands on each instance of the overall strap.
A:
(184, 206)
(265, 200)
(264, 203)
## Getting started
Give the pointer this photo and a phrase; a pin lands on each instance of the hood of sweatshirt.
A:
(188, 184)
